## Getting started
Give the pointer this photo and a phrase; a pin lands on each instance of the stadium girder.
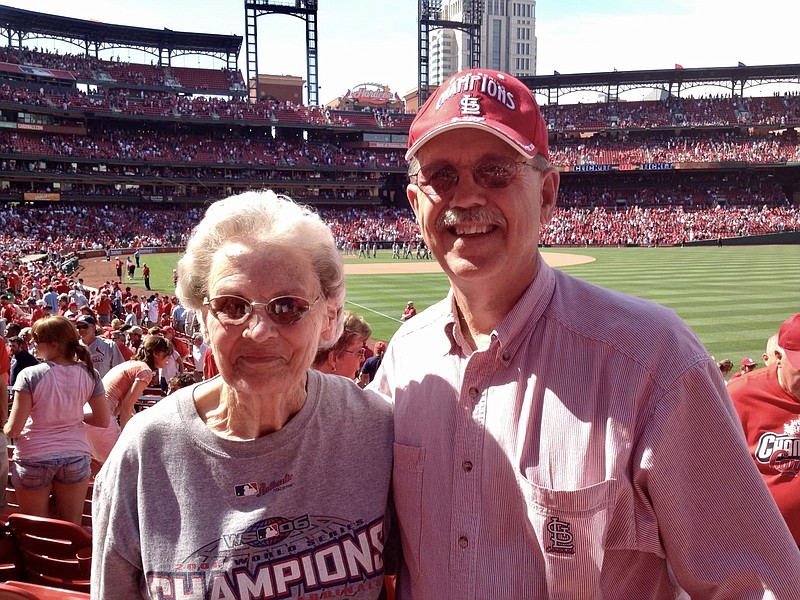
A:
(302, 9)
(17, 25)
(673, 81)
(430, 13)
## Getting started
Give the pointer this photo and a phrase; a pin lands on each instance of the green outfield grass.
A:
(734, 298)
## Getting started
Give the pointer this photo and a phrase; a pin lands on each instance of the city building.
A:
(508, 39)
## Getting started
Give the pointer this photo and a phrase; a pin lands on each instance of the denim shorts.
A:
(37, 475)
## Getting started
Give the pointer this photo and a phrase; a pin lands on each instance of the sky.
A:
(375, 41)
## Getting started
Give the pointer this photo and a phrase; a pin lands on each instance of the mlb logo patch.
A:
(246, 489)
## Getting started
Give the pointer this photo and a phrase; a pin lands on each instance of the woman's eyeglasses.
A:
(491, 173)
(360, 351)
(235, 310)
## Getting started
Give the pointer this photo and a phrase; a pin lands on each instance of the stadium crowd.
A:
(66, 229)
(150, 145)
(237, 148)
(162, 101)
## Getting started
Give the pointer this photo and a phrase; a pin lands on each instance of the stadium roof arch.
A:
(673, 81)
(17, 25)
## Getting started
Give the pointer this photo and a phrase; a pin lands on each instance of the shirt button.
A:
(463, 542)
(467, 465)
(473, 392)
(506, 355)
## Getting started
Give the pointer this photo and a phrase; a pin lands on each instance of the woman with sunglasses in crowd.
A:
(346, 356)
(124, 384)
(270, 479)
(47, 422)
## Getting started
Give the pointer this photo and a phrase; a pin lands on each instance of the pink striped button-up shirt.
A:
(591, 451)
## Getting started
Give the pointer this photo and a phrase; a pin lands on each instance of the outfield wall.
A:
(129, 251)
(786, 238)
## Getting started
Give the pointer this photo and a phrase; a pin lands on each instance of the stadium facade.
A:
(80, 129)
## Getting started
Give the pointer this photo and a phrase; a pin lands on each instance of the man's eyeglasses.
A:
(492, 173)
(235, 310)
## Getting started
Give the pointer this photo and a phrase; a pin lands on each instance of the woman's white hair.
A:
(264, 217)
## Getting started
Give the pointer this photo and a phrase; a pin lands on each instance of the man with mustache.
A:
(554, 439)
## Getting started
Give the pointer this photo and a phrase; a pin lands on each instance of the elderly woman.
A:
(346, 356)
(270, 479)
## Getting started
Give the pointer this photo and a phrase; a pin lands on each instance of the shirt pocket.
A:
(407, 472)
(571, 527)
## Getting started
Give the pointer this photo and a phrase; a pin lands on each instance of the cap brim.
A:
(500, 131)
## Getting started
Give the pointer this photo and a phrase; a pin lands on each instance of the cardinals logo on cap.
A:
(491, 101)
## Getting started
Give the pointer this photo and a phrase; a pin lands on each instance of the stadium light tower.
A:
(302, 9)
(430, 18)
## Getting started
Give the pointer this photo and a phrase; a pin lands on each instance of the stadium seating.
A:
(203, 79)
(20, 590)
(52, 552)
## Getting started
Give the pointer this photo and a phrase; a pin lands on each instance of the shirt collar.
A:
(524, 317)
(511, 332)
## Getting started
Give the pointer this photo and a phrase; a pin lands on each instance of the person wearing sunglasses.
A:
(554, 439)
(270, 479)
(104, 352)
(346, 356)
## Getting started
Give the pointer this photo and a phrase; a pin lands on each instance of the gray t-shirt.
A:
(179, 510)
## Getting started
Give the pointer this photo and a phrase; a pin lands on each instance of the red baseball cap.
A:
(482, 99)
(747, 362)
(789, 339)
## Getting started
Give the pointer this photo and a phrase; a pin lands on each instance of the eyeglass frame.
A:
(518, 165)
(361, 351)
(253, 304)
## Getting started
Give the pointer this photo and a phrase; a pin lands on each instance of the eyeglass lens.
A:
(489, 173)
(233, 310)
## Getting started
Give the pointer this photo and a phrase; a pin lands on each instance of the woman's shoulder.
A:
(344, 394)
(35, 371)
(161, 416)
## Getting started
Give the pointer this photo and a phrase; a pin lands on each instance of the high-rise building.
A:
(508, 39)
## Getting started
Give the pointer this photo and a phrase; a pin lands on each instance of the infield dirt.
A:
(96, 271)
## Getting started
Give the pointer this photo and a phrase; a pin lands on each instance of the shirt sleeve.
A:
(144, 375)
(691, 455)
(99, 388)
(116, 553)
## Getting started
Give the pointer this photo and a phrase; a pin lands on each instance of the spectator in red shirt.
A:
(7, 311)
(103, 309)
(118, 337)
(409, 312)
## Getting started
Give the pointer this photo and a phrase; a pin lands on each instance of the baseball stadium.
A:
(107, 167)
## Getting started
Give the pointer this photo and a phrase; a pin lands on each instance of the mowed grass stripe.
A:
(734, 298)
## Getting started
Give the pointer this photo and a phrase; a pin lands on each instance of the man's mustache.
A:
(455, 216)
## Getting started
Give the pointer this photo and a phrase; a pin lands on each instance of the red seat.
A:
(8, 592)
(9, 557)
(52, 552)
(19, 590)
